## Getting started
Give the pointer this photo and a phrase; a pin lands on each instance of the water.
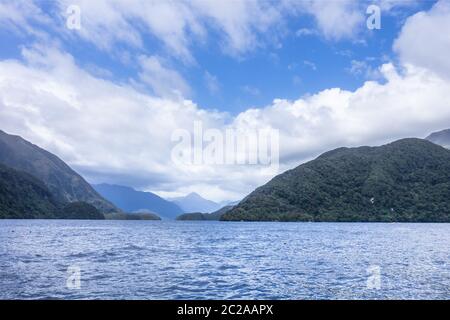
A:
(216, 260)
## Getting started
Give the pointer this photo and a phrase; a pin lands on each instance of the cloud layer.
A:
(238, 26)
(424, 40)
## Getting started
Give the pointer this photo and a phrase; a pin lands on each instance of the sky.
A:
(106, 84)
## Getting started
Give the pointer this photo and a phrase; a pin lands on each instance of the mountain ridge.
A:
(441, 138)
(131, 200)
(63, 182)
(406, 180)
(23, 196)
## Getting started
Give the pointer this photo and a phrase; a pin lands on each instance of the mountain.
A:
(22, 196)
(441, 138)
(214, 216)
(64, 183)
(193, 202)
(223, 210)
(407, 180)
(130, 200)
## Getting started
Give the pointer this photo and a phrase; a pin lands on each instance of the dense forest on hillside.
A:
(407, 180)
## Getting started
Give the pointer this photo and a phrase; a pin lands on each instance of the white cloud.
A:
(164, 81)
(239, 27)
(335, 20)
(243, 23)
(391, 5)
(361, 68)
(342, 19)
(20, 16)
(425, 39)
(176, 24)
(302, 32)
(107, 131)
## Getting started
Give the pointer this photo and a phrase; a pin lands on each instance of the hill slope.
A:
(407, 180)
(64, 183)
(130, 200)
(81, 210)
(441, 138)
(23, 196)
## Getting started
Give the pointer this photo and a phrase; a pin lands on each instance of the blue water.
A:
(217, 260)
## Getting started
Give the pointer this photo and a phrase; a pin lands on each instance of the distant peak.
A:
(193, 194)
(438, 134)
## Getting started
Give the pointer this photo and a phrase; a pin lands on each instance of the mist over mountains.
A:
(193, 202)
(130, 200)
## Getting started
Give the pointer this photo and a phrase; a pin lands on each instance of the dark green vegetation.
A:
(198, 216)
(441, 138)
(132, 216)
(64, 184)
(215, 216)
(407, 180)
(23, 196)
(191, 216)
(81, 210)
(130, 200)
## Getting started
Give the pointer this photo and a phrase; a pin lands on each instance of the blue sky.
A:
(288, 67)
(107, 96)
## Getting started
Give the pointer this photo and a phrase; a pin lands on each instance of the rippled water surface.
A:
(217, 260)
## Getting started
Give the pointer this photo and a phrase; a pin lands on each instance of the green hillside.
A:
(407, 180)
(23, 196)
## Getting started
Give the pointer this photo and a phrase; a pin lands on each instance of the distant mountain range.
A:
(130, 200)
(193, 202)
(64, 183)
(407, 180)
(441, 138)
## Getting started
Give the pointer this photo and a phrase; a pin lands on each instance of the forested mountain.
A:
(64, 183)
(24, 196)
(407, 180)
